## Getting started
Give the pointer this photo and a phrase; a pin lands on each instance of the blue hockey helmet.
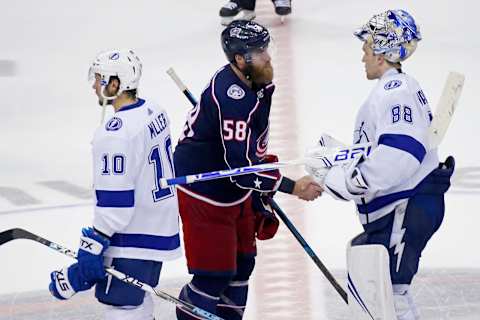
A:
(244, 37)
(393, 33)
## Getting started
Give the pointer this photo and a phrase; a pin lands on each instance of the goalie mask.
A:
(392, 33)
(123, 64)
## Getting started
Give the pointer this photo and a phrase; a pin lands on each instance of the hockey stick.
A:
(308, 250)
(281, 214)
(445, 108)
(326, 158)
(443, 115)
(17, 233)
(181, 86)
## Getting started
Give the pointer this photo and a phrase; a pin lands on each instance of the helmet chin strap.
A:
(105, 101)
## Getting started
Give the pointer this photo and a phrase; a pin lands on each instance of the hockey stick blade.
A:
(18, 233)
(14, 234)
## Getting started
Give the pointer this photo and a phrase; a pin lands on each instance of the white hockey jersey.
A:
(395, 118)
(131, 152)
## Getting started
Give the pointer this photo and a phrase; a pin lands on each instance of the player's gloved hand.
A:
(67, 281)
(86, 272)
(346, 182)
(90, 254)
(266, 223)
(328, 141)
(317, 163)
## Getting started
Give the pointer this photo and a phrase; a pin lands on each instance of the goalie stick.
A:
(17, 233)
(283, 216)
(443, 116)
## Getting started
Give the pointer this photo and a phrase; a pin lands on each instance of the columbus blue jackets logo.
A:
(113, 124)
(392, 84)
(235, 92)
(262, 144)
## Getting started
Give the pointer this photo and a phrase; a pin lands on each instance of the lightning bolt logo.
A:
(396, 239)
(399, 246)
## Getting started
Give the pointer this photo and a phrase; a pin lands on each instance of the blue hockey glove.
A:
(67, 281)
(86, 272)
(90, 255)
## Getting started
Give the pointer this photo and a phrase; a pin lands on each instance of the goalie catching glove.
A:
(83, 274)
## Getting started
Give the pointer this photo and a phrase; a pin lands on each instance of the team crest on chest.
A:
(392, 84)
(113, 124)
(235, 92)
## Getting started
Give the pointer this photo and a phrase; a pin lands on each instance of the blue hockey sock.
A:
(233, 301)
(194, 296)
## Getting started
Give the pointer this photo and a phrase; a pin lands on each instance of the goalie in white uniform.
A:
(135, 226)
(399, 189)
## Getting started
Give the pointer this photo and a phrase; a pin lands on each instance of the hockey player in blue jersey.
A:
(228, 128)
(135, 225)
(399, 189)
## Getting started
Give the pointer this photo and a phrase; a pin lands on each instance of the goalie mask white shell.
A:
(123, 64)
(393, 33)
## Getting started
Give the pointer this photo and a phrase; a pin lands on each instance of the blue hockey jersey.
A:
(228, 128)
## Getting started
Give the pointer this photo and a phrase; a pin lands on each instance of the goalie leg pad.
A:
(369, 286)
(114, 292)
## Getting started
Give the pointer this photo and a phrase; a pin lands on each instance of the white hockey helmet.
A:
(123, 64)
(393, 33)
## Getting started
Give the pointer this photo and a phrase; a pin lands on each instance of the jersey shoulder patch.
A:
(392, 84)
(235, 92)
(114, 124)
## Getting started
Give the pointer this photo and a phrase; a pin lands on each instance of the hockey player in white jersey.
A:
(399, 188)
(135, 225)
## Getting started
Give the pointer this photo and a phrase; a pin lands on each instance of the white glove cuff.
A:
(64, 288)
(90, 245)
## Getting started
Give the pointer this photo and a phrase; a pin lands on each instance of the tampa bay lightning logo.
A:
(114, 56)
(113, 124)
(235, 92)
(392, 84)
